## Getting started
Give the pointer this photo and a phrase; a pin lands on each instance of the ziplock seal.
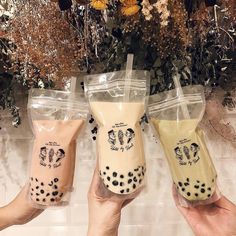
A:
(63, 100)
(103, 82)
(177, 101)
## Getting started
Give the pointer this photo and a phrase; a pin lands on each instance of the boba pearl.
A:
(115, 183)
(180, 184)
(130, 174)
(55, 193)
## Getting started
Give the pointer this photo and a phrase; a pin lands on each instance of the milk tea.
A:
(191, 167)
(119, 145)
(53, 160)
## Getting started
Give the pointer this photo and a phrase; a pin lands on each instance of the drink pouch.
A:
(117, 105)
(191, 167)
(56, 119)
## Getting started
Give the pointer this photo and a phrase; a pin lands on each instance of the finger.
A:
(37, 213)
(175, 195)
(223, 202)
(126, 202)
(185, 211)
(95, 181)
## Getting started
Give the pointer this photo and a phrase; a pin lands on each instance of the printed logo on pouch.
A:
(229, 103)
(185, 154)
(51, 155)
(120, 137)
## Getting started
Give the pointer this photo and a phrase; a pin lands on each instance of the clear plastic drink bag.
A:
(117, 104)
(56, 119)
(175, 117)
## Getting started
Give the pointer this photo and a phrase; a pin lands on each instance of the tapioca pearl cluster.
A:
(124, 182)
(39, 193)
(200, 188)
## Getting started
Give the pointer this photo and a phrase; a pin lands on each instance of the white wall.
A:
(152, 213)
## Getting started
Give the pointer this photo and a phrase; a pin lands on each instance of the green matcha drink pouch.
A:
(175, 117)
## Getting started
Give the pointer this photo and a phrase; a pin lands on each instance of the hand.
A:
(104, 208)
(218, 219)
(19, 211)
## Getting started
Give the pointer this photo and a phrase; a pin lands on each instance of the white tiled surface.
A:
(152, 213)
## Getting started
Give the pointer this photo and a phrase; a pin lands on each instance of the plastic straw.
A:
(73, 84)
(180, 93)
(128, 73)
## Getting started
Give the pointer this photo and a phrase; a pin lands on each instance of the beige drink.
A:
(119, 145)
(191, 167)
(53, 160)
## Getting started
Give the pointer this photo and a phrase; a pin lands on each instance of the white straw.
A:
(128, 73)
(73, 84)
(179, 89)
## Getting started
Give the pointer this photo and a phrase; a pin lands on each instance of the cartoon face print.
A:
(112, 137)
(129, 134)
(179, 154)
(186, 152)
(121, 137)
(50, 155)
(60, 154)
(194, 148)
(43, 153)
(229, 102)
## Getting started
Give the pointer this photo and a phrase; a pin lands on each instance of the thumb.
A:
(223, 202)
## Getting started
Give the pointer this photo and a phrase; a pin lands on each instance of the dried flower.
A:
(146, 10)
(162, 8)
(130, 7)
(99, 4)
(45, 42)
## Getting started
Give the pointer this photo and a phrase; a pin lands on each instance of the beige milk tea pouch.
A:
(117, 106)
(57, 118)
(175, 117)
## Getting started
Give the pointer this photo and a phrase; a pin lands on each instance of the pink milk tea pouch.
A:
(117, 105)
(57, 118)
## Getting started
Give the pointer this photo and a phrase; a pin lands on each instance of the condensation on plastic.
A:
(120, 152)
(57, 118)
(190, 164)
